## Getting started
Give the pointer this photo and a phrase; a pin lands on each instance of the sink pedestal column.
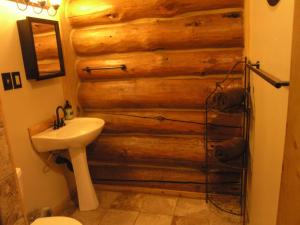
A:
(86, 193)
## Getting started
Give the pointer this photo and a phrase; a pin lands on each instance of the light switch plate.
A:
(16, 78)
(7, 81)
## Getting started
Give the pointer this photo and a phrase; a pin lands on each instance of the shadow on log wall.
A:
(174, 51)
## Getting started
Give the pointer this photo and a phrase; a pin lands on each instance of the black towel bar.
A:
(266, 76)
(90, 69)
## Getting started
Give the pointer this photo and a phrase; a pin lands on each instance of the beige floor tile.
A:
(156, 204)
(147, 203)
(128, 201)
(69, 210)
(153, 219)
(188, 206)
(119, 217)
(217, 217)
(106, 198)
(230, 203)
(224, 220)
(196, 219)
(89, 217)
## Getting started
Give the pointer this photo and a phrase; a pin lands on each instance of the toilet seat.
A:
(59, 220)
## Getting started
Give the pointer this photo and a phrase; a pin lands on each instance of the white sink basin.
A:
(77, 132)
(75, 135)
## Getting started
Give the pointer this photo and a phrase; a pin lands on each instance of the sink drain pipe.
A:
(60, 160)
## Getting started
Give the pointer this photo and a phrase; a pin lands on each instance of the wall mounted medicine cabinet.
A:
(41, 48)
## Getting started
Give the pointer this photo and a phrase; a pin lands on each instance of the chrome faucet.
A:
(58, 123)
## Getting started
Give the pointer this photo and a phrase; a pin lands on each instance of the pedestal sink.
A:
(77, 133)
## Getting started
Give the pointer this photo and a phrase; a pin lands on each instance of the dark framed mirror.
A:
(41, 48)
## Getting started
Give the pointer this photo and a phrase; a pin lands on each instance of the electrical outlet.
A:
(7, 81)
(16, 78)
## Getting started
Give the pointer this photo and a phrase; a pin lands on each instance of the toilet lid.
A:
(59, 220)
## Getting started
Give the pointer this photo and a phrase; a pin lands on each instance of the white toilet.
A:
(59, 220)
(56, 220)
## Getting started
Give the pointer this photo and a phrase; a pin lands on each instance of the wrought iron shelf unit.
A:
(235, 201)
(240, 168)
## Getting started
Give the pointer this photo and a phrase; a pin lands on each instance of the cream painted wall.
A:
(24, 107)
(270, 42)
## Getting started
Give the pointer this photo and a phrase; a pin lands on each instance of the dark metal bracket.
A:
(266, 76)
(90, 69)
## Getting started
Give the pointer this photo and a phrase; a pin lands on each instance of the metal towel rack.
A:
(266, 76)
(90, 69)
(253, 67)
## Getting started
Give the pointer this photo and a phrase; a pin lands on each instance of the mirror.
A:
(41, 48)
(46, 48)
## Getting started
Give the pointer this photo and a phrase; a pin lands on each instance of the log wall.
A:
(174, 52)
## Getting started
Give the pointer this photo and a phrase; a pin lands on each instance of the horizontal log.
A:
(46, 46)
(187, 92)
(153, 150)
(185, 32)
(146, 190)
(229, 189)
(94, 12)
(162, 63)
(169, 122)
(121, 172)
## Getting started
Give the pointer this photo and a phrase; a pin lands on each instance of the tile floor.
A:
(145, 209)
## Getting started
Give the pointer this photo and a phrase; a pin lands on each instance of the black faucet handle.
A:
(62, 122)
(55, 125)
